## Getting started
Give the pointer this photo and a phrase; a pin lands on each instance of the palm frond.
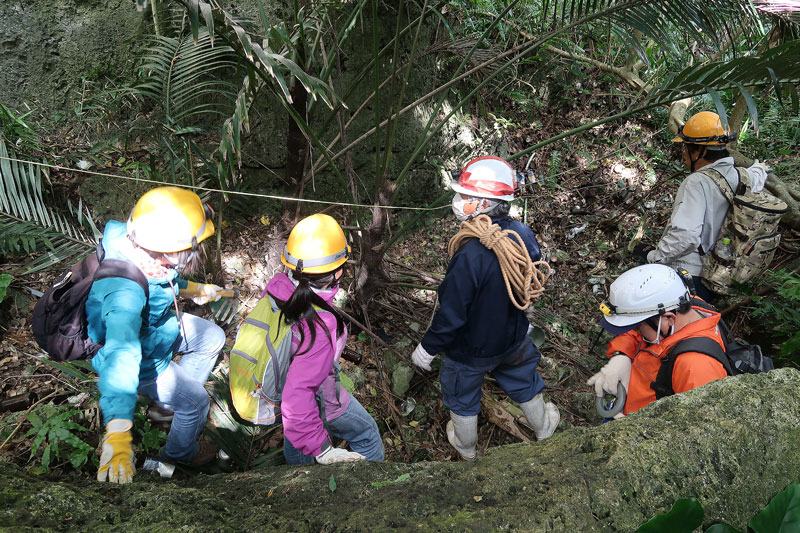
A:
(186, 78)
(274, 66)
(663, 21)
(779, 65)
(28, 222)
(242, 441)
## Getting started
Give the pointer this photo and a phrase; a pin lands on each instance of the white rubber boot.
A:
(462, 432)
(543, 417)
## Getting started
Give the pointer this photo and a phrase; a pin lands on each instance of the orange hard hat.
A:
(704, 128)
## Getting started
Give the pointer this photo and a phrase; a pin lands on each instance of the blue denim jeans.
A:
(180, 387)
(354, 425)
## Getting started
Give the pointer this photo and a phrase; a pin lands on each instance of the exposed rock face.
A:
(48, 46)
(733, 444)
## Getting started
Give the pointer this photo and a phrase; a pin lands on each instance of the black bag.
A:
(59, 318)
(738, 357)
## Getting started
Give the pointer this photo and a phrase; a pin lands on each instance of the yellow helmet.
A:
(704, 128)
(316, 245)
(170, 219)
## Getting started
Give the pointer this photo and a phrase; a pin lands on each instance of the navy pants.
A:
(515, 372)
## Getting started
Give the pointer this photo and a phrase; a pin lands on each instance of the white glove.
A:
(209, 294)
(618, 369)
(421, 358)
(201, 293)
(331, 455)
(117, 463)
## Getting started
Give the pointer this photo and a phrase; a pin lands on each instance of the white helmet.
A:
(487, 177)
(642, 292)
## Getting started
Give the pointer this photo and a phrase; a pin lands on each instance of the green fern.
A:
(53, 429)
(28, 221)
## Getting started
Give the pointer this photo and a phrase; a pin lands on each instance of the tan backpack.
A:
(749, 235)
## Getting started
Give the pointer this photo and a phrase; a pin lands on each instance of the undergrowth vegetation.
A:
(367, 105)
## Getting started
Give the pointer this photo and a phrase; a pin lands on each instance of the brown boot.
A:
(206, 452)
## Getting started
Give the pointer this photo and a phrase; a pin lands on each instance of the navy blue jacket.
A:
(476, 320)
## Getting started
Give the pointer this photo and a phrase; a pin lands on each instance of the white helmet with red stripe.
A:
(487, 177)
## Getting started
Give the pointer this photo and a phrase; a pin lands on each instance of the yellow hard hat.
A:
(170, 219)
(704, 128)
(316, 245)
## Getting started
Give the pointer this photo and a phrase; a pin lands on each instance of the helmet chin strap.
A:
(700, 155)
(659, 338)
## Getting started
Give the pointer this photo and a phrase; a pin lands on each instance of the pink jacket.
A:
(308, 373)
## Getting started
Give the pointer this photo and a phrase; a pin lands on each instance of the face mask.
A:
(180, 260)
(334, 286)
(468, 208)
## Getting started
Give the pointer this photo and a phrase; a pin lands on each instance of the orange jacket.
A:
(692, 369)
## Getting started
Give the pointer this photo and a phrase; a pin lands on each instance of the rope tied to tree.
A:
(523, 277)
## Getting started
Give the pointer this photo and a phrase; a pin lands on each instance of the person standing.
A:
(477, 326)
(700, 206)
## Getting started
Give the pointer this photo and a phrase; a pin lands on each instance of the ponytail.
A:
(300, 306)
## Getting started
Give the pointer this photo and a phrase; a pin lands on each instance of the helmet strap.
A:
(659, 336)
(700, 154)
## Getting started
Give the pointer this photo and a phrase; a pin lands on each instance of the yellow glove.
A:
(116, 459)
(201, 293)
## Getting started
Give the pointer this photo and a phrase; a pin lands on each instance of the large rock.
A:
(733, 444)
(49, 46)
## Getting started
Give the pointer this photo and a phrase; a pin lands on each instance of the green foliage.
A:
(52, 427)
(400, 479)
(781, 310)
(553, 169)
(242, 441)
(15, 130)
(332, 484)
(781, 515)
(346, 382)
(151, 439)
(28, 218)
(685, 516)
(80, 369)
(5, 281)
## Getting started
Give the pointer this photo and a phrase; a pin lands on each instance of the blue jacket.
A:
(132, 350)
(476, 320)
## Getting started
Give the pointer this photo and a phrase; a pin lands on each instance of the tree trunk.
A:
(372, 275)
(296, 144)
(732, 444)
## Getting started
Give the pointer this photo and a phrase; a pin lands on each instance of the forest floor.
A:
(594, 196)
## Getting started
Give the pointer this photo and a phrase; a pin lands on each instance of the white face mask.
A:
(180, 260)
(334, 286)
(481, 205)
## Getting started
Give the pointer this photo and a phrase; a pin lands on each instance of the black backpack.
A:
(738, 357)
(59, 318)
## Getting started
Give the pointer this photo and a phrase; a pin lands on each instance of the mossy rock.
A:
(733, 444)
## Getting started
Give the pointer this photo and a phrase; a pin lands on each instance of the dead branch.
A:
(498, 414)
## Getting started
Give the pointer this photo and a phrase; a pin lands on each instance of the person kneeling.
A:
(649, 309)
